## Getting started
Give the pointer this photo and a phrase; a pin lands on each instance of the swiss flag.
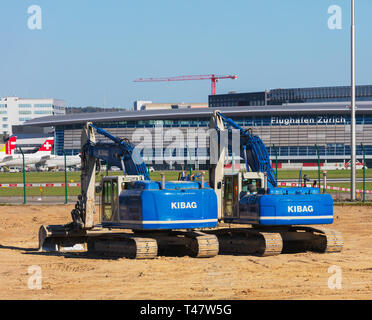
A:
(47, 145)
(10, 145)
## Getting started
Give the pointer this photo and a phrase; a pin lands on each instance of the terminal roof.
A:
(336, 108)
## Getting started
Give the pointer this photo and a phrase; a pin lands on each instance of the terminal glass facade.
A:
(294, 136)
(297, 95)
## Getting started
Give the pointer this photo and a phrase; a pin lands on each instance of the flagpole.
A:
(353, 131)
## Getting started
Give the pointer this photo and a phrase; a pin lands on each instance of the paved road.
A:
(39, 200)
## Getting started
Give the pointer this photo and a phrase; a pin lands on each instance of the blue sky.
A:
(88, 52)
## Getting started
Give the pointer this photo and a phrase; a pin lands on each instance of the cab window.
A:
(107, 192)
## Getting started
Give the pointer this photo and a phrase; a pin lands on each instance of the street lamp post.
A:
(352, 125)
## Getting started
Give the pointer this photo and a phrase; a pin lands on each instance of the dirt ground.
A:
(288, 276)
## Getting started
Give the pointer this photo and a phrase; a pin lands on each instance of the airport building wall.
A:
(15, 111)
(292, 132)
(293, 136)
(292, 95)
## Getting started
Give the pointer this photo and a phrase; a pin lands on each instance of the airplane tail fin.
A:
(9, 147)
(46, 147)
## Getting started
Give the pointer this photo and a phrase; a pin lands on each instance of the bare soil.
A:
(288, 276)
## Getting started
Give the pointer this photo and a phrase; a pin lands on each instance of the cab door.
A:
(115, 201)
(106, 201)
(110, 201)
(230, 196)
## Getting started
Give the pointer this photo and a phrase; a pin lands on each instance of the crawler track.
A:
(136, 245)
(273, 244)
(203, 245)
(61, 238)
(125, 246)
(272, 241)
(322, 239)
(242, 241)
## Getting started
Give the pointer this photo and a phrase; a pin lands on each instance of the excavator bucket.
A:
(56, 238)
(61, 238)
(102, 241)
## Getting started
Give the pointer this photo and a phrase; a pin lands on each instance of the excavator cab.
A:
(235, 186)
(111, 187)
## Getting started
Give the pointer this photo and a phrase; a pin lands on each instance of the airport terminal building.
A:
(15, 111)
(289, 130)
(285, 96)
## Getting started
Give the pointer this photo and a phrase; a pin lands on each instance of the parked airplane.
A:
(30, 158)
(59, 162)
(7, 151)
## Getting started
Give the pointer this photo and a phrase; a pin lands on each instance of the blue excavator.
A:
(138, 218)
(280, 219)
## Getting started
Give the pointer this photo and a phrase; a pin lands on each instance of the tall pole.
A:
(317, 152)
(64, 155)
(364, 172)
(276, 162)
(353, 131)
(24, 176)
(189, 153)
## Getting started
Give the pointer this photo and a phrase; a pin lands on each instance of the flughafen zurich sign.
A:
(287, 121)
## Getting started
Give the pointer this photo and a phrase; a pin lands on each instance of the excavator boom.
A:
(254, 152)
(122, 153)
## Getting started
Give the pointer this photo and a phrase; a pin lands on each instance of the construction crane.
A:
(214, 79)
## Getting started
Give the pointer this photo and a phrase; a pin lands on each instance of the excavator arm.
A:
(217, 157)
(120, 153)
(252, 149)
